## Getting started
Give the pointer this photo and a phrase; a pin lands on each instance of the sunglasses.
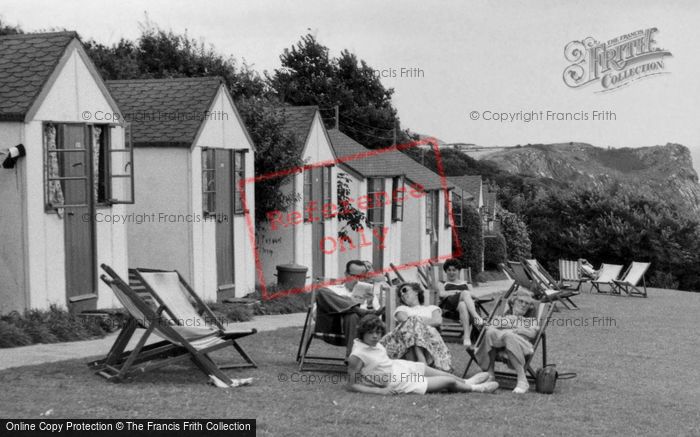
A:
(405, 290)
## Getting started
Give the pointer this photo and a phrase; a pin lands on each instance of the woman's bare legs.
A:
(439, 381)
(522, 385)
(467, 313)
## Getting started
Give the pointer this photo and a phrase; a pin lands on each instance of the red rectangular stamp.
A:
(431, 217)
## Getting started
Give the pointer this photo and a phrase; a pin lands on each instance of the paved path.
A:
(47, 353)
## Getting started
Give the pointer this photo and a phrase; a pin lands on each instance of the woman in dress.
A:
(514, 333)
(415, 338)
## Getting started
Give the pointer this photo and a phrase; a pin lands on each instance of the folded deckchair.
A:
(631, 278)
(606, 275)
(547, 284)
(178, 342)
(570, 274)
(543, 313)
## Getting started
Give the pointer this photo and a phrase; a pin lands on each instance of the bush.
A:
(494, 251)
(11, 335)
(663, 280)
(471, 240)
(518, 245)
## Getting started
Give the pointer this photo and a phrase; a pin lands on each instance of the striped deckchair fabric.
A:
(570, 274)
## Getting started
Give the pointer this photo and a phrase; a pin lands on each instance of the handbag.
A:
(546, 379)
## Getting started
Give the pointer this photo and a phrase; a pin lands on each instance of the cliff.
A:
(665, 171)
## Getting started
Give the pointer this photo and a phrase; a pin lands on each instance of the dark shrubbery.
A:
(51, 326)
(617, 225)
(518, 244)
(471, 240)
(494, 251)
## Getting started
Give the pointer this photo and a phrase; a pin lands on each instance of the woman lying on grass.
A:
(370, 370)
(415, 336)
(513, 332)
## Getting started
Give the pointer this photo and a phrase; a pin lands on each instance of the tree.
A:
(8, 29)
(309, 76)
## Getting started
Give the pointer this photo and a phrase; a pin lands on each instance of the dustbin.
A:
(291, 276)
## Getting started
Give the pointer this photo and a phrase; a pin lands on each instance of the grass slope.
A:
(636, 376)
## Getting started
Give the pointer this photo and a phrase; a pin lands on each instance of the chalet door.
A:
(224, 224)
(317, 225)
(81, 287)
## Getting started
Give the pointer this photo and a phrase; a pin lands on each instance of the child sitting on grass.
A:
(370, 370)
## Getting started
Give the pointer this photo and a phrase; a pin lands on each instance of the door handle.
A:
(70, 213)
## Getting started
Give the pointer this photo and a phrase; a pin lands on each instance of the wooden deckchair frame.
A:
(120, 364)
(544, 312)
(626, 286)
(319, 363)
(544, 282)
(570, 272)
(522, 276)
(200, 308)
(596, 283)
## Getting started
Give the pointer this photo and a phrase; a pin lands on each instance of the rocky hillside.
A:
(666, 171)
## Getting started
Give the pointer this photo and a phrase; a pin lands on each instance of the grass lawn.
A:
(636, 376)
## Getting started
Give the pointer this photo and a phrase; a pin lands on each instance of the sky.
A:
(467, 57)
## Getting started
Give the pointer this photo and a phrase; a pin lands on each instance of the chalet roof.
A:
(165, 112)
(26, 63)
(470, 184)
(385, 164)
(298, 121)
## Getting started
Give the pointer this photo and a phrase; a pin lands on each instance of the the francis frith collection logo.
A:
(616, 62)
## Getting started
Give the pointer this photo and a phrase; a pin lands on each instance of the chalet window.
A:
(120, 187)
(375, 201)
(457, 208)
(327, 191)
(448, 204)
(81, 167)
(431, 212)
(238, 176)
(208, 182)
(397, 199)
(308, 192)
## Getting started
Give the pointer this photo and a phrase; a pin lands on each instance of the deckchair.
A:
(523, 278)
(187, 309)
(631, 278)
(543, 314)
(323, 324)
(544, 282)
(606, 275)
(178, 342)
(570, 274)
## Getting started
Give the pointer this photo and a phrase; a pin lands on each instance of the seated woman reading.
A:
(370, 370)
(513, 332)
(415, 338)
(456, 302)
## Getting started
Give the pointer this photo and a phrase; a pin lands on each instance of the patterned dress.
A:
(415, 332)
